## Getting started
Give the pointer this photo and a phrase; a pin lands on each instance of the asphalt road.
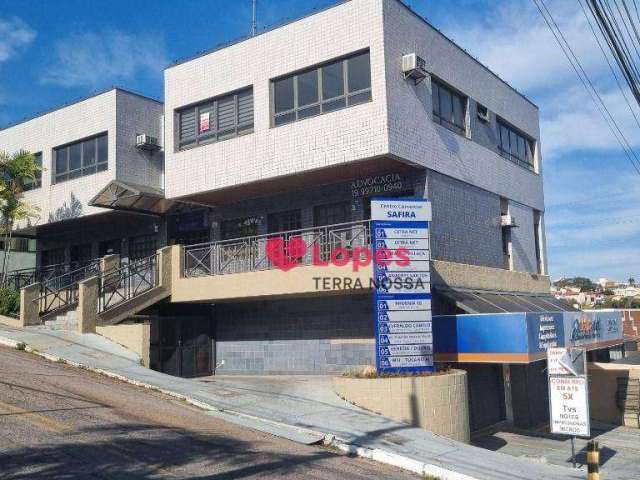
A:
(59, 422)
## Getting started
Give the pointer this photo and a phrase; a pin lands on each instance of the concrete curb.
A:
(344, 446)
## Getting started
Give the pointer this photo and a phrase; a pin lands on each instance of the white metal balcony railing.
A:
(249, 254)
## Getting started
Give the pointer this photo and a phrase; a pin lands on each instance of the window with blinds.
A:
(216, 119)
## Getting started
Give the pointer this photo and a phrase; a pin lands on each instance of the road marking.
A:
(34, 418)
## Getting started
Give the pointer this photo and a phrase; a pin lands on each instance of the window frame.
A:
(437, 116)
(529, 161)
(83, 170)
(323, 105)
(214, 134)
(37, 181)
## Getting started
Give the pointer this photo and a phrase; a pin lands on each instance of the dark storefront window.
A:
(110, 247)
(239, 228)
(80, 255)
(332, 214)
(142, 246)
(284, 221)
(189, 228)
(52, 257)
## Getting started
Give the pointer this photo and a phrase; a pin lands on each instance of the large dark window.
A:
(332, 86)
(239, 228)
(284, 221)
(449, 107)
(515, 146)
(332, 214)
(31, 184)
(81, 158)
(216, 119)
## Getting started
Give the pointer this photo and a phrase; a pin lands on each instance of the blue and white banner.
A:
(402, 298)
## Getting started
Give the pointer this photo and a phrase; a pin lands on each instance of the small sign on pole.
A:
(569, 393)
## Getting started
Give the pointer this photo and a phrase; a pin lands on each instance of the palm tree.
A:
(632, 281)
(16, 170)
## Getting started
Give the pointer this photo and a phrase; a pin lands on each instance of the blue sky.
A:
(55, 52)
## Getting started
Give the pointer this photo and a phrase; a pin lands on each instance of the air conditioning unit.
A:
(508, 221)
(414, 67)
(147, 142)
(483, 112)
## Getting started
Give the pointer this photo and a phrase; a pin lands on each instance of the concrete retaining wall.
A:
(437, 403)
(134, 336)
(602, 393)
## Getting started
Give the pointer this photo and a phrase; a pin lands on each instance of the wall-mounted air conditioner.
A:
(414, 67)
(508, 221)
(146, 142)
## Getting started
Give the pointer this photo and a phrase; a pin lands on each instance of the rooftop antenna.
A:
(253, 18)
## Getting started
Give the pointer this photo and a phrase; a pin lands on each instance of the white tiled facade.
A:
(353, 133)
(396, 123)
(120, 114)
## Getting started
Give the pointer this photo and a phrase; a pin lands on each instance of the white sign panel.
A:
(402, 304)
(406, 350)
(403, 315)
(406, 362)
(566, 361)
(402, 232)
(569, 401)
(406, 243)
(401, 211)
(404, 327)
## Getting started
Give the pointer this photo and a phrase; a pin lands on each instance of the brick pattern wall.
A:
(312, 335)
(415, 137)
(523, 239)
(465, 226)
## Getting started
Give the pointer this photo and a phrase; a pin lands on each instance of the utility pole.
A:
(253, 18)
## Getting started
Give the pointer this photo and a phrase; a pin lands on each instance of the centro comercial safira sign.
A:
(401, 279)
(402, 291)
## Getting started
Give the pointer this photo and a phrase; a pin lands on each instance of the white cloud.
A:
(99, 59)
(571, 121)
(516, 43)
(15, 34)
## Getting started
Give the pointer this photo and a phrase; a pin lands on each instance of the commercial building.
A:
(282, 135)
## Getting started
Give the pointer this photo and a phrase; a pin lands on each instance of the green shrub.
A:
(9, 302)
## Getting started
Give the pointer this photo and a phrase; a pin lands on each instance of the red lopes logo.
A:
(287, 254)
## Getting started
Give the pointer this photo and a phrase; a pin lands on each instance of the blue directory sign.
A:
(402, 297)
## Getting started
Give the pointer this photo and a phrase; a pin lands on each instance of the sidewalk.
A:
(302, 409)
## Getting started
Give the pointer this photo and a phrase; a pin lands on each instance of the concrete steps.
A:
(64, 321)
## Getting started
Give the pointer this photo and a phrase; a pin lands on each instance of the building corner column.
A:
(88, 305)
(29, 305)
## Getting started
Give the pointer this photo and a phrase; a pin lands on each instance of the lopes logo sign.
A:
(287, 254)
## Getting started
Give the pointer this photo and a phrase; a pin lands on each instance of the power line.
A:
(588, 84)
(606, 57)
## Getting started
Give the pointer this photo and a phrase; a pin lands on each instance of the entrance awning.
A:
(479, 301)
(118, 195)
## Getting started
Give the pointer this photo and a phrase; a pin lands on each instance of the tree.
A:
(16, 170)
(583, 283)
(632, 281)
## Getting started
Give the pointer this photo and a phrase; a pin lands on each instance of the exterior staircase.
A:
(64, 321)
